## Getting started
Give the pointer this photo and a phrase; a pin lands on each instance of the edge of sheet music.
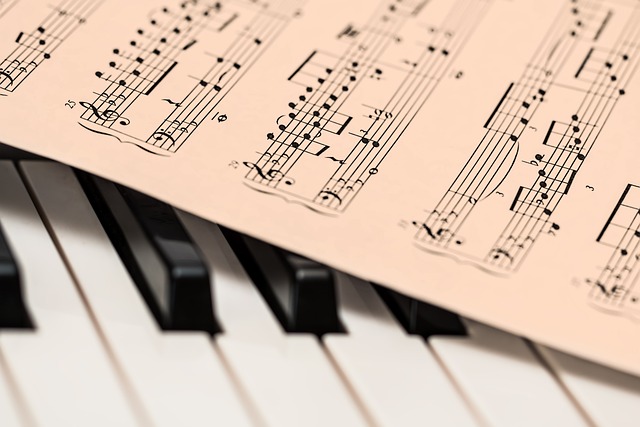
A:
(479, 154)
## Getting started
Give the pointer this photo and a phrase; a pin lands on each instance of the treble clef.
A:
(271, 175)
(106, 115)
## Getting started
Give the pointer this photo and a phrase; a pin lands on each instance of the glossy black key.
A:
(421, 318)
(13, 307)
(300, 292)
(162, 259)
(10, 153)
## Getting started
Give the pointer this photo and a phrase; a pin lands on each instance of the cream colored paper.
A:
(481, 155)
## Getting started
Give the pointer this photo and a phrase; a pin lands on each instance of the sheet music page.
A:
(479, 154)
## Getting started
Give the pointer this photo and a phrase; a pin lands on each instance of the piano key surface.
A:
(61, 367)
(178, 377)
(397, 377)
(610, 398)
(288, 377)
(299, 291)
(254, 371)
(159, 255)
(502, 378)
(11, 413)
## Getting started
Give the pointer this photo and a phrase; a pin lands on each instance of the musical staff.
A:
(602, 78)
(39, 45)
(317, 131)
(615, 289)
(137, 72)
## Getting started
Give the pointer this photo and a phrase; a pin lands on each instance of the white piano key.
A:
(396, 376)
(178, 377)
(363, 312)
(288, 377)
(10, 414)
(61, 368)
(504, 380)
(238, 304)
(610, 398)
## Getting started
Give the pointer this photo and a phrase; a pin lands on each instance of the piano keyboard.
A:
(118, 310)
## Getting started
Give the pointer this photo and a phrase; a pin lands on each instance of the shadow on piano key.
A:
(161, 258)
(300, 292)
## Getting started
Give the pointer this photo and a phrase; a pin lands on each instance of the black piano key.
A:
(421, 318)
(301, 293)
(13, 307)
(161, 258)
(10, 153)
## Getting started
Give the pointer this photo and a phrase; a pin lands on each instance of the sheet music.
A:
(37, 44)
(479, 154)
(612, 286)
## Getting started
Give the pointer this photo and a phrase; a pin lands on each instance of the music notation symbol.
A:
(40, 44)
(139, 70)
(440, 234)
(169, 101)
(152, 54)
(274, 175)
(376, 74)
(571, 143)
(106, 114)
(349, 31)
(334, 123)
(315, 112)
(566, 144)
(615, 287)
(379, 114)
(329, 80)
(336, 160)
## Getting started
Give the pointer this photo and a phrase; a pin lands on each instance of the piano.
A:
(119, 310)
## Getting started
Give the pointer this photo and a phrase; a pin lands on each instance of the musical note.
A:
(563, 148)
(139, 71)
(38, 45)
(329, 80)
(615, 288)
